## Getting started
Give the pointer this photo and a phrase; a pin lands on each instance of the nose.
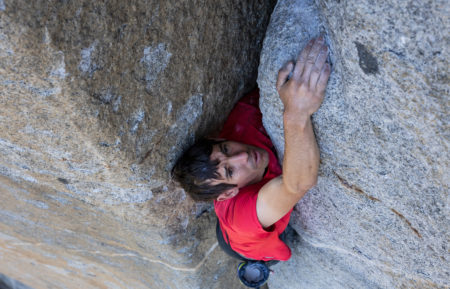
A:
(239, 158)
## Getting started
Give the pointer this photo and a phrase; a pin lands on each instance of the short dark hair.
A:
(194, 171)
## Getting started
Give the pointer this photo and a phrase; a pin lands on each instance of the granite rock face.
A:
(379, 215)
(97, 101)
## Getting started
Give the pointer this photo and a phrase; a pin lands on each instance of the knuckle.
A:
(303, 86)
(304, 80)
(292, 85)
(301, 59)
(311, 59)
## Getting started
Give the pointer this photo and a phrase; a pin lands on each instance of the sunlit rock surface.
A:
(379, 216)
(97, 101)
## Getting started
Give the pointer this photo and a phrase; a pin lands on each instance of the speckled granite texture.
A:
(98, 99)
(379, 216)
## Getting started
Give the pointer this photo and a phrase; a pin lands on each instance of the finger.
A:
(323, 79)
(301, 59)
(283, 74)
(318, 66)
(311, 58)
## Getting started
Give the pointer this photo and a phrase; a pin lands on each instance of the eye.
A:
(225, 149)
(230, 172)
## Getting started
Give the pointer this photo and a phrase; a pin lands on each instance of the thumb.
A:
(283, 74)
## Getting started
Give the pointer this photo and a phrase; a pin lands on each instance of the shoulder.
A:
(239, 212)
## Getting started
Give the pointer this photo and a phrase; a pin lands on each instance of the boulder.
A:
(378, 217)
(98, 100)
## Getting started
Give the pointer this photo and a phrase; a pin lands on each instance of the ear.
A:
(228, 194)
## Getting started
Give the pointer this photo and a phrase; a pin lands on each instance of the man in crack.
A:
(253, 196)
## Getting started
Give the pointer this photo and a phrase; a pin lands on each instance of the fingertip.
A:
(290, 65)
(283, 68)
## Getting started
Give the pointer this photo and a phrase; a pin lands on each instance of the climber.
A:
(254, 197)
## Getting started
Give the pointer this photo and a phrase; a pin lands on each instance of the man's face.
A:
(239, 163)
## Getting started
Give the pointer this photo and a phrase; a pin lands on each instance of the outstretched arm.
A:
(301, 95)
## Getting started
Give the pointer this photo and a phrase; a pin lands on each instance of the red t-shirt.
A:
(237, 216)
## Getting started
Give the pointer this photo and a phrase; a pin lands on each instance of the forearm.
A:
(302, 93)
(301, 154)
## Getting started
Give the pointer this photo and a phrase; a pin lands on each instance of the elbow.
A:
(307, 186)
(313, 183)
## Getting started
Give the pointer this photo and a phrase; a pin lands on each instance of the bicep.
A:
(274, 201)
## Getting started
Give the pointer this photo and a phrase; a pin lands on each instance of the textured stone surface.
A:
(8, 283)
(379, 216)
(97, 100)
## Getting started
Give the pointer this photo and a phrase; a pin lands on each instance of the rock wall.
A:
(378, 217)
(98, 99)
